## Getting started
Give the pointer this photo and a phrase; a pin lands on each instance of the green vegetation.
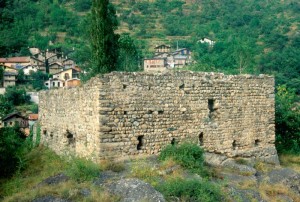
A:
(287, 121)
(103, 39)
(1, 75)
(12, 143)
(17, 96)
(128, 59)
(82, 170)
(12, 99)
(191, 190)
(187, 155)
(38, 79)
(43, 163)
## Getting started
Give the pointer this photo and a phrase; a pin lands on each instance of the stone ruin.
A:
(121, 115)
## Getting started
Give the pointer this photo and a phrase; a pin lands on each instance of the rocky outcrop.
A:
(134, 190)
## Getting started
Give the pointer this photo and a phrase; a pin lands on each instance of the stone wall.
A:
(129, 114)
(69, 119)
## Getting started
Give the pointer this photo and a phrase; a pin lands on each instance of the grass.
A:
(263, 167)
(169, 176)
(190, 190)
(290, 160)
(112, 165)
(82, 170)
(43, 163)
(274, 191)
(141, 169)
(70, 190)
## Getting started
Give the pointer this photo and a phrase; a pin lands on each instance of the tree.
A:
(38, 80)
(1, 75)
(287, 119)
(21, 76)
(128, 54)
(6, 106)
(16, 96)
(11, 143)
(103, 38)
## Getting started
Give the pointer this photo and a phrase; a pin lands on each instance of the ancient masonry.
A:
(130, 114)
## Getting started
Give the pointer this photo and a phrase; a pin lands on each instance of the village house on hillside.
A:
(9, 76)
(13, 119)
(165, 59)
(64, 70)
(55, 60)
(65, 78)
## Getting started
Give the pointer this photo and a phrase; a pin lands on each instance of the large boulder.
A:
(134, 190)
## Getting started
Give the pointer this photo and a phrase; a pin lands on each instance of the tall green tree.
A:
(287, 119)
(128, 59)
(1, 75)
(102, 37)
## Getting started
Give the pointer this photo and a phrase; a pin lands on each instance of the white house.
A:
(28, 68)
(206, 40)
(54, 83)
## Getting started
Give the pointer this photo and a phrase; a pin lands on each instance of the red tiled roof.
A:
(33, 116)
(15, 59)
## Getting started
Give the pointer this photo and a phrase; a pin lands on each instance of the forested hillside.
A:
(252, 36)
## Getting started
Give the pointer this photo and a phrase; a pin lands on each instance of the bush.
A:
(190, 190)
(11, 143)
(187, 155)
(82, 170)
(16, 96)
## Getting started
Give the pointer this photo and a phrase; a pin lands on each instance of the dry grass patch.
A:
(247, 184)
(291, 161)
(272, 192)
(145, 171)
(115, 166)
(263, 167)
(68, 190)
(41, 163)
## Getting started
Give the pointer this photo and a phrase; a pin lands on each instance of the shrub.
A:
(82, 170)
(190, 190)
(11, 143)
(187, 155)
(16, 95)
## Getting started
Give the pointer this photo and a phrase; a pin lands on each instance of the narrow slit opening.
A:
(173, 141)
(257, 142)
(201, 139)
(234, 145)
(141, 142)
